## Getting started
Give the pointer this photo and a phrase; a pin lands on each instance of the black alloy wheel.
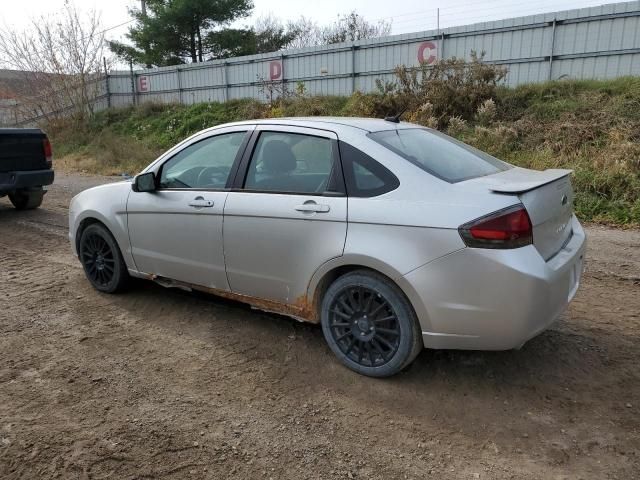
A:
(369, 324)
(101, 259)
(98, 259)
(364, 326)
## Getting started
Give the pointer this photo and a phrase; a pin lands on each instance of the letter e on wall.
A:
(275, 70)
(143, 84)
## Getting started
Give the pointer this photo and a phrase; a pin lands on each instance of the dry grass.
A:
(590, 127)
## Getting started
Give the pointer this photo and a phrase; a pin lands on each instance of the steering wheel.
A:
(212, 176)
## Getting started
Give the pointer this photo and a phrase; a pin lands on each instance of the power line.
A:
(537, 7)
(448, 11)
(432, 11)
(115, 26)
(468, 13)
(95, 34)
(479, 14)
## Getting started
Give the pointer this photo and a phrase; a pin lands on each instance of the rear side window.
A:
(365, 177)
(439, 154)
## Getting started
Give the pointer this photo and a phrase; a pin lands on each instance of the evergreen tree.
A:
(267, 35)
(170, 32)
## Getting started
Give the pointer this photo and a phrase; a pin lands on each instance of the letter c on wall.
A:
(427, 52)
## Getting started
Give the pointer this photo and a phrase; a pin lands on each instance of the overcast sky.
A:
(405, 15)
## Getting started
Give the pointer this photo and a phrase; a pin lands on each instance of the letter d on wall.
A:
(275, 70)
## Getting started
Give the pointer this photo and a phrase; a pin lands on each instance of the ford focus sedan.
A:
(392, 236)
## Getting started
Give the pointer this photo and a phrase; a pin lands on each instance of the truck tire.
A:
(27, 199)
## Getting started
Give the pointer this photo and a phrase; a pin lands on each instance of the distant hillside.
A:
(12, 83)
(16, 83)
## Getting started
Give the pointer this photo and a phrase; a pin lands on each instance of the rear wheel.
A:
(370, 325)
(101, 259)
(27, 199)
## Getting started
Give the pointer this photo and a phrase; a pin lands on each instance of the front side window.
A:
(203, 165)
(291, 162)
(439, 154)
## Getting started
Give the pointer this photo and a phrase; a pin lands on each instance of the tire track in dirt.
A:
(166, 384)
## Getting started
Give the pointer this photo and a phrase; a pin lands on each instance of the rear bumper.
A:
(11, 181)
(480, 299)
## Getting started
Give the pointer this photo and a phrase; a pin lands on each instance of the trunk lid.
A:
(548, 198)
(22, 149)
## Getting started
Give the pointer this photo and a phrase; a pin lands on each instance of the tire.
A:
(27, 199)
(102, 260)
(369, 324)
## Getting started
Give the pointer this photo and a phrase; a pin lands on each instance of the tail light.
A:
(508, 228)
(48, 151)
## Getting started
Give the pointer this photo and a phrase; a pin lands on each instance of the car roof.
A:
(366, 124)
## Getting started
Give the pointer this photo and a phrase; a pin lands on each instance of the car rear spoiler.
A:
(522, 182)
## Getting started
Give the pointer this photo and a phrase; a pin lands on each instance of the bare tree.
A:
(272, 35)
(347, 28)
(307, 33)
(352, 27)
(60, 58)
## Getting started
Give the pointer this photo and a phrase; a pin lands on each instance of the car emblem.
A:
(564, 199)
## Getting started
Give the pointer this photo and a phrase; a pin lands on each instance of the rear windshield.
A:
(439, 154)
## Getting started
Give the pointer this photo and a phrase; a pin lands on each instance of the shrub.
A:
(382, 103)
(457, 125)
(455, 87)
(499, 141)
(591, 127)
(424, 116)
(486, 113)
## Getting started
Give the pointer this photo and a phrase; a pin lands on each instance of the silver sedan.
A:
(392, 236)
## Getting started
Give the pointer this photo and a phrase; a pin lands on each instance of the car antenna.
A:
(395, 118)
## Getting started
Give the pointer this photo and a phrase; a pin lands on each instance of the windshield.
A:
(439, 154)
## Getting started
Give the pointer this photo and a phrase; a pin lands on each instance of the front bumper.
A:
(12, 181)
(481, 299)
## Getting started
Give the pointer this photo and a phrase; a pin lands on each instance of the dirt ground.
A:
(161, 383)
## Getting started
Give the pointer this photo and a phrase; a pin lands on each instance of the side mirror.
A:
(145, 182)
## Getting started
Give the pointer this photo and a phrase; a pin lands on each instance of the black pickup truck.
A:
(25, 166)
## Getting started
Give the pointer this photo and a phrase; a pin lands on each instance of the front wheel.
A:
(370, 325)
(27, 199)
(101, 259)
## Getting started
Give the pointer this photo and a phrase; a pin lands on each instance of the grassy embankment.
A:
(592, 127)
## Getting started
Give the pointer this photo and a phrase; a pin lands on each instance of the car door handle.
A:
(200, 203)
(312, 207)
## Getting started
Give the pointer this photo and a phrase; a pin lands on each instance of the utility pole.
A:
(143, 8)
(133, 84)
(107, 87)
